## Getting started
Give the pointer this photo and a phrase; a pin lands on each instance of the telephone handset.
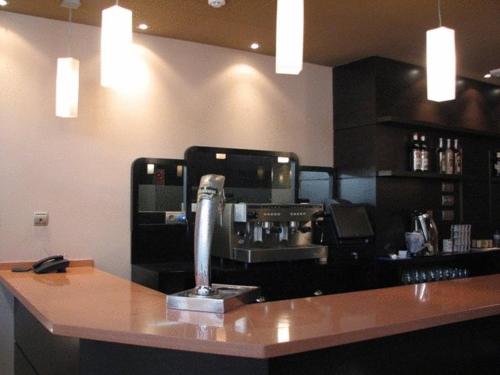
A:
(55, 263)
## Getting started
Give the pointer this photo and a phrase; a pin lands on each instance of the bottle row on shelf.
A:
(448, 160)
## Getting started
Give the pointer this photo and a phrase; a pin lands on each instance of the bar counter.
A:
(89, 304)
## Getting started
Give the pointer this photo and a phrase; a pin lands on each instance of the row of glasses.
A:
(417, 276)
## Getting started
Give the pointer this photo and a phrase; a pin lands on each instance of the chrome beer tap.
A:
(205, 296)
(209, 207)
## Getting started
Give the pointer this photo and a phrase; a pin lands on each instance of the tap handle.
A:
(210, 195)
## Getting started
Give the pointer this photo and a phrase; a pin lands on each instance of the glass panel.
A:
(315, 186)
(160, 187)
(251, 178)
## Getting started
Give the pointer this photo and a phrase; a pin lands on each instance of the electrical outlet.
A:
(41, 219)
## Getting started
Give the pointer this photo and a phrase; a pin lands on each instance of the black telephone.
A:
(55, 263)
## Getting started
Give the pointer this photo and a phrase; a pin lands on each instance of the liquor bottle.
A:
(450, 158)
(415, 154)
(496, 165)
(458, 154)
(441, 157)
(424, 154)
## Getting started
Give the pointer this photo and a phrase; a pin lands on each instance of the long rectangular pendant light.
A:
(116, 45)
(441, 64)
(289, 36)
(67, 86)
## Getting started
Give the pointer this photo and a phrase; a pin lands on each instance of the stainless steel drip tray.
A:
(226, 298)
(278, 254)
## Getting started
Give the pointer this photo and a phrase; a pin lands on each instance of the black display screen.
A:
(351, 221)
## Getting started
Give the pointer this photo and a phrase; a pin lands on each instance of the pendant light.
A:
(116, 44)
(289, 36)
(441, 62)
(67, 78)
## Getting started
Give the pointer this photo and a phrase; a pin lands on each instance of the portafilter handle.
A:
(209, 207)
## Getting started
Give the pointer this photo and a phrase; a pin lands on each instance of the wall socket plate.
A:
(40, 219)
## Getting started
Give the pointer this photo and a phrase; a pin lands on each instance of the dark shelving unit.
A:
(372, 134)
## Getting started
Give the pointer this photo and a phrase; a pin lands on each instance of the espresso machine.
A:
(266, 232)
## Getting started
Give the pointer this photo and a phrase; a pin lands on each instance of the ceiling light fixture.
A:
(143, 26)
(441, 62)
(289, 36)
(255, 45)
(216, 3)
(116, 44)
(68, 75)
(3, 3)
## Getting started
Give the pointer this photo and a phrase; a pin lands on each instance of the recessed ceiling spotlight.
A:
(487, 75)
(3, 3)
(255, 45)
(142, 26)
(216, 3)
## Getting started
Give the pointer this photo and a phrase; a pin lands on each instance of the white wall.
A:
(79, 169)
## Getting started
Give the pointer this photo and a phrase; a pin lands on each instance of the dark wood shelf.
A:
(401, 122)
(438, 258)
(430, 175)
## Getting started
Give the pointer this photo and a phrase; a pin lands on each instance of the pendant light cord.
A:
(70, 19)
(439, 13)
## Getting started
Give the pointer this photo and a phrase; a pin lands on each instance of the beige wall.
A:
(79, 169)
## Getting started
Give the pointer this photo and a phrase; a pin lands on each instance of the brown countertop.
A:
(88, 303)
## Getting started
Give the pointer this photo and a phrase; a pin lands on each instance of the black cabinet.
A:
(37, 351)
(277, 280)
